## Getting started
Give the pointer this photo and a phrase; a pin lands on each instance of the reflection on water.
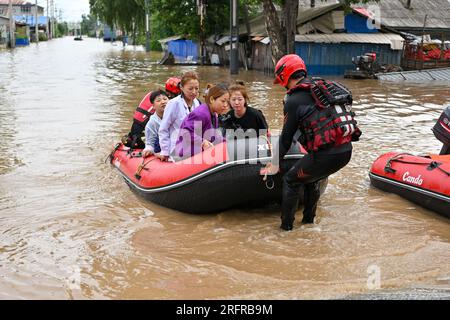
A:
(71, 228)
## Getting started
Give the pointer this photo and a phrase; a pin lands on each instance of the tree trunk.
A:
(274, 30)
(290, 14)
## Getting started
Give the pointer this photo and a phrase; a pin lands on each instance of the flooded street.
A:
(71, 228)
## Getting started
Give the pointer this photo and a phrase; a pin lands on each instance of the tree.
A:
(168, 17)
(61, 29)
(129, 15)
(88, 25)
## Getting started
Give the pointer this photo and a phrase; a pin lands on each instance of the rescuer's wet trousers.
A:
(308, 171)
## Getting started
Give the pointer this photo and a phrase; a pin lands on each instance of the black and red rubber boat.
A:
(423, 180)
(217, 179)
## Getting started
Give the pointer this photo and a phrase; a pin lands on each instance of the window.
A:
(26, 9)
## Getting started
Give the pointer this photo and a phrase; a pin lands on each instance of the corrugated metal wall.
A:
(335, 58)
(182, 49)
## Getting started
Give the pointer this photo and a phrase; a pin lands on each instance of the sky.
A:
(71, 9)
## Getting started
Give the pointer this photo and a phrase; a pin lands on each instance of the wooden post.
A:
(12, 26)
(48, 24)
(421, 45)
(36, 27)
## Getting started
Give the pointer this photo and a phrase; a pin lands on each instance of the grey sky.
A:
(71, 9)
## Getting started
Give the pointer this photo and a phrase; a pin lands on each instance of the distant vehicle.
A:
(78, 36)
(109, 34)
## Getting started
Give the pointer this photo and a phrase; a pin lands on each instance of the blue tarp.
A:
(183, 50)
(357, 24)
(22, 42)
(29, 20)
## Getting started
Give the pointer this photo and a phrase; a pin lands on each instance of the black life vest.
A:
(333, 122)
(144, 110)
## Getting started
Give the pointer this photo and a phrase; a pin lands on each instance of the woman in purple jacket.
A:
(199, 130)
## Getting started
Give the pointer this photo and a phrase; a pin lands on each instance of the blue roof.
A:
(29, 20)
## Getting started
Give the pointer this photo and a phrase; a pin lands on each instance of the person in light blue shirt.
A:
(159, 100)
(176, 110)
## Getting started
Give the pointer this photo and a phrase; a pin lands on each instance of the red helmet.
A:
(172, 85)
(286, 66)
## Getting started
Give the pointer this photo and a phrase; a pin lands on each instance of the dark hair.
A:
(224, 85)
(215, 92)
(156, 94)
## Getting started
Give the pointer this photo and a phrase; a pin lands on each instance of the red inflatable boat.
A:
(423, 180)
(223, 177)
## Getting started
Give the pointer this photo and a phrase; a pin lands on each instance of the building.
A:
(24, 13)
(20, 8)
(425, 25)
(4, 32)
(179, 50)
(22, 33)
(327, 38)
(408, 16)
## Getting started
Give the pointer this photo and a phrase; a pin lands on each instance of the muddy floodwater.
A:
(71, 228)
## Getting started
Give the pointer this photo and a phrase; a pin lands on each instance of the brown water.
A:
(71, 228)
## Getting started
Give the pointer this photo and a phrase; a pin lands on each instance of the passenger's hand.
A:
(162, 158)
(206, 145)
(272, 169)
(147, 153)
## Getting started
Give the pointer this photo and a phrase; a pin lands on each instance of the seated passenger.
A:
(142, 115)
(242, 116)
(199, 130)
(159, 100)
(176, 111)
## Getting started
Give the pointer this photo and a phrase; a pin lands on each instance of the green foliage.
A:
(88, 24)
(61, 29)
(42, 37)
(122, 13)
(168, 17)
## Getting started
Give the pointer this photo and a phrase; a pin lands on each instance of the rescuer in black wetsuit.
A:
(324, 157)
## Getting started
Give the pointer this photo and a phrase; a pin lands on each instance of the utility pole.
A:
(52, 28)
(12, 26)
(54, 18)
(147, 25)
(36, 27)
(48, 24)
(234, 35)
